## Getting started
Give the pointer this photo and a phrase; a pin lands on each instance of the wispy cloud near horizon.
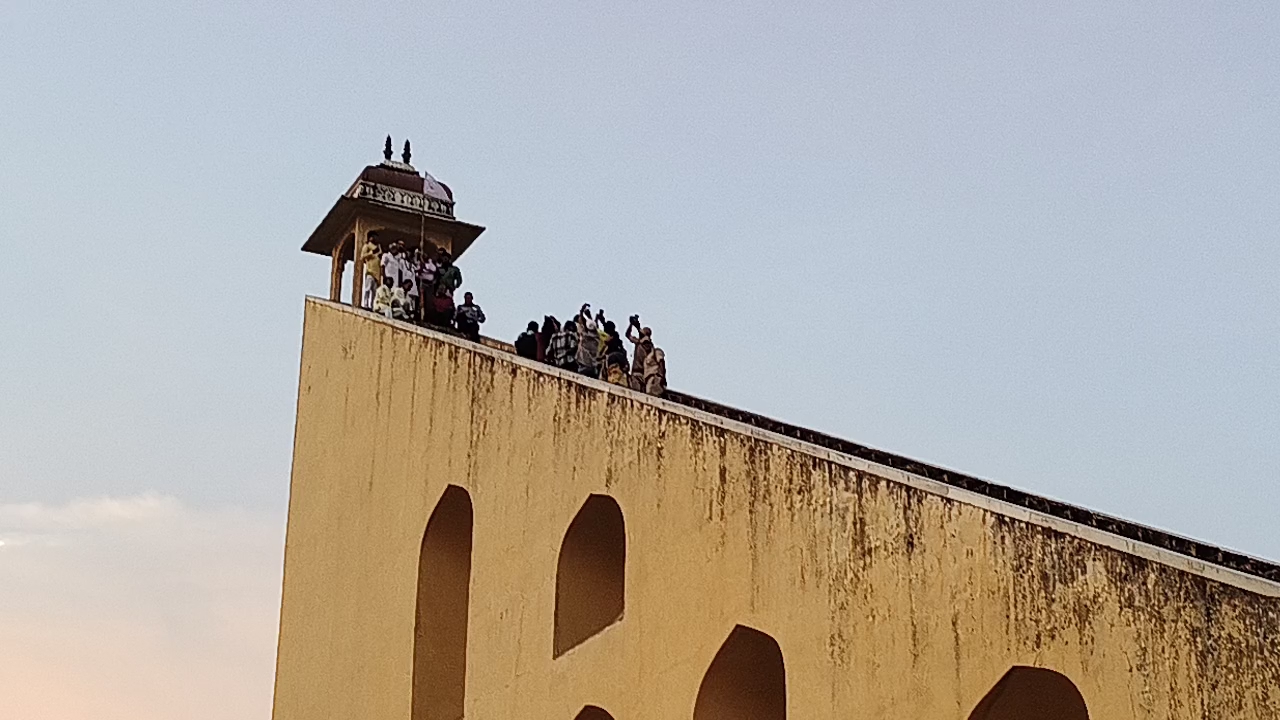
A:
(137, 607)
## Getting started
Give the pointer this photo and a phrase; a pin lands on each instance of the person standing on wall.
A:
(655, 372)
(562, 351)
(642, 340)
(426, 283)
(468, 317)
(391, 264)
(527, 343)
(448, 276)
(371, 262)
(588, 342)
(615, 356)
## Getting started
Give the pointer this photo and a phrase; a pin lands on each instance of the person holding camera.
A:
(588, 342)
(642, 339)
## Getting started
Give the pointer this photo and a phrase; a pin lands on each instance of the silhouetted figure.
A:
(527, 343)
(615, 356)
(550, 326)
(468, 317)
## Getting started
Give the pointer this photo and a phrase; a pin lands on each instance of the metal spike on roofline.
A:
(386, 150)
(406, 154)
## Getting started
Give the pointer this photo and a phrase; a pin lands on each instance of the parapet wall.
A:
(881, 594)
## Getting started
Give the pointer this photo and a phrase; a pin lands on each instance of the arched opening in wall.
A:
(1031, 692)
(747, 680)
(591, 573)
(591, 712)
(339, 282)
(440, 627)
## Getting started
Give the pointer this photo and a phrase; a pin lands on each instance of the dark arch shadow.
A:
(1032, 693)
(590, 573)
(591, 712)
(747, 680)
(440, 626)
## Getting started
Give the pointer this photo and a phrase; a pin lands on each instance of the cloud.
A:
(89, 514)
(137, 607)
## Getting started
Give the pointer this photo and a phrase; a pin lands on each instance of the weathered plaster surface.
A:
(889, 599)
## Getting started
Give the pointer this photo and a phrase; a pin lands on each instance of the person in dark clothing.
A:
(615, 356)
(550, 326)
(441, 310)
(468, 317)
(563, 349)
(527, 343)
(448, 276)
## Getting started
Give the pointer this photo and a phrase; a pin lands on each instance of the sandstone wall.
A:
(887, 600)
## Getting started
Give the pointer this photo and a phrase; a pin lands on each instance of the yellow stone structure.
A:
(475, 535)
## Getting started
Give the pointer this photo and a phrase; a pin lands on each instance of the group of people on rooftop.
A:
(592, 346)
(417, 286)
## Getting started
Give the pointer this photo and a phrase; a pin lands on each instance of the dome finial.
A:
(386, 149)
(406, 154)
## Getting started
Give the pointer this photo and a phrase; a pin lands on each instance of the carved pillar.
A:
(357, 251)
(339, 264)
(335, 274)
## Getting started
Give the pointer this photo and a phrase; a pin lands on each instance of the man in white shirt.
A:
(404, 266)
(382, 300)
(400, 302)
(426, 279)
(391, 264)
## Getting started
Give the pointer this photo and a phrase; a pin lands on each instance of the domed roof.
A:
(393, 174)
(403, 176)
(394, 194)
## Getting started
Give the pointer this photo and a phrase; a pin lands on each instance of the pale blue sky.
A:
(1036, 244)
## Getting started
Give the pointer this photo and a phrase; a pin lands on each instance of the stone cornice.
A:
(402, 199)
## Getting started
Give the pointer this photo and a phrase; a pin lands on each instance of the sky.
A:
(1033, 242)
